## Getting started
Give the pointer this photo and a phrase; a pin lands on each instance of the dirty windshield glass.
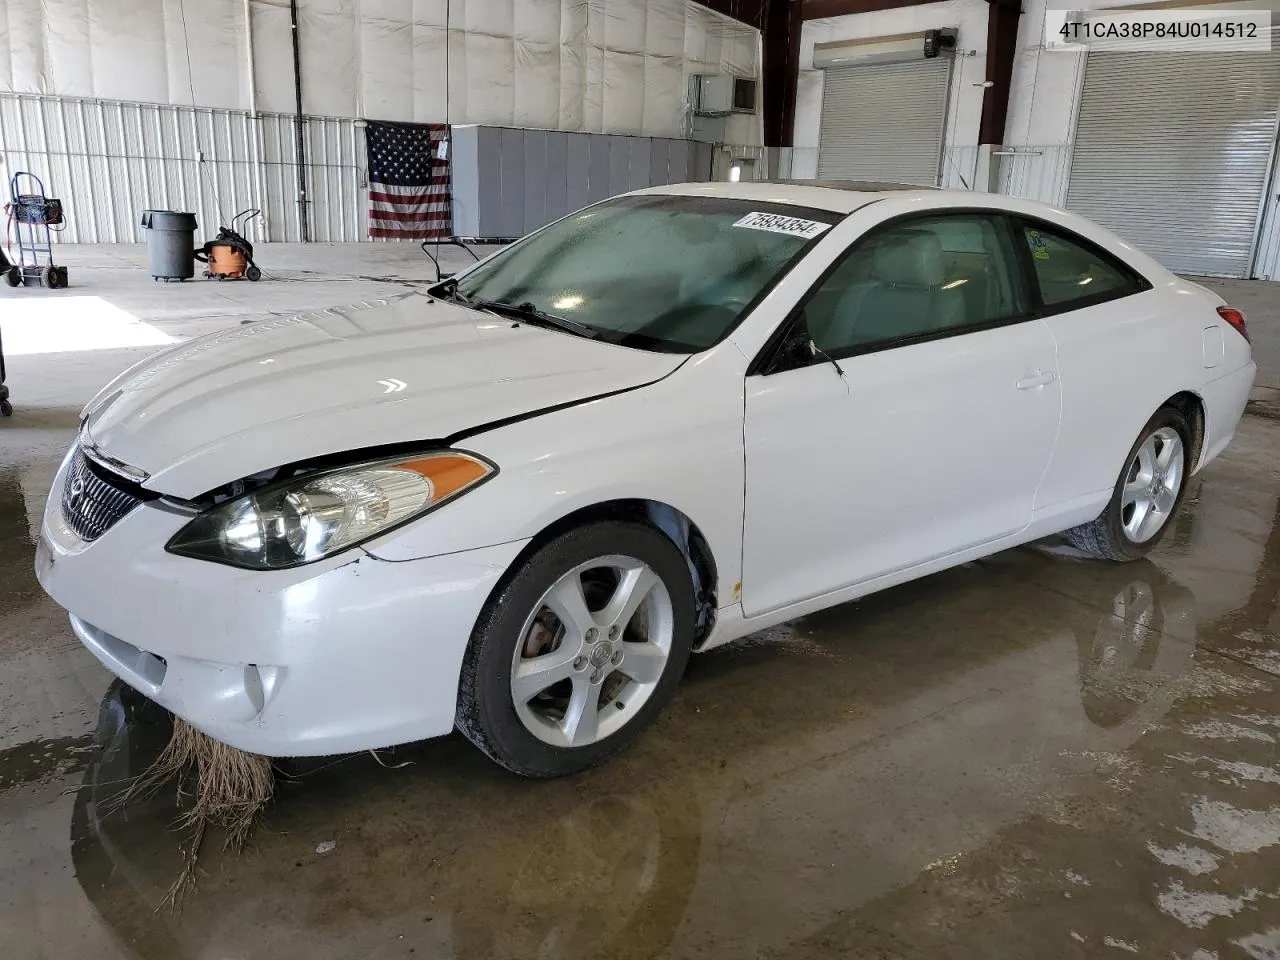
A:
(658, 272)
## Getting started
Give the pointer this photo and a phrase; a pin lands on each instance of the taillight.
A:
(1235, 318)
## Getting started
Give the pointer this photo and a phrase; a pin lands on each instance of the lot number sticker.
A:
(777, 223)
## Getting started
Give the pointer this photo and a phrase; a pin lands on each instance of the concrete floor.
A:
(1031, 756)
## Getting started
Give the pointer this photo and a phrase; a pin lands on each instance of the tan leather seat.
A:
(903, 296)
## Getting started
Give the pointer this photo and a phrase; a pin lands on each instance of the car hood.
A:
(279, 391)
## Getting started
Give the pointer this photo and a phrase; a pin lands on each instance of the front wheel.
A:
(13, 276)
(578, 651)
(1146, 495)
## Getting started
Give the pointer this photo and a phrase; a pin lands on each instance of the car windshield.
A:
(659, 272)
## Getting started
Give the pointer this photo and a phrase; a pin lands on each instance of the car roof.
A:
(837, 196)
(843, 197)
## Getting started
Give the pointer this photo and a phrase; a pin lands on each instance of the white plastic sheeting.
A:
(605, 66)
(126, 49)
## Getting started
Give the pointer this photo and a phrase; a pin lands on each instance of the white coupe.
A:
(515, 503)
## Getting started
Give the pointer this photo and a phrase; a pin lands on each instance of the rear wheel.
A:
(13, 276)
(578, 651)
(1146, 495)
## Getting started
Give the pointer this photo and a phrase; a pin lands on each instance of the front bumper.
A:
(348, 654)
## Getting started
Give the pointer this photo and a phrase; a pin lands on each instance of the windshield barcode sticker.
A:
(777, 223)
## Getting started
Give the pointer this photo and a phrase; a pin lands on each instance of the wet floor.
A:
(1031, 756)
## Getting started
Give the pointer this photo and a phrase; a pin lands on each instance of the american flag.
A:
(408, 182)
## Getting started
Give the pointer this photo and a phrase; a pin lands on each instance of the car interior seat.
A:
(903, 296)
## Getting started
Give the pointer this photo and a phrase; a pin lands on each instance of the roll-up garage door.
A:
(1173, 153)
(884, 121)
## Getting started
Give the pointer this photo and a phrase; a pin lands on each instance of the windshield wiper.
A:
(527, 313)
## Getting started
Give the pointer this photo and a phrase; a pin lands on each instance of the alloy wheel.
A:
(1152, 485)
(592, 651)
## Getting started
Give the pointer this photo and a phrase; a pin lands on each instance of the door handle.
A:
(1036, 379)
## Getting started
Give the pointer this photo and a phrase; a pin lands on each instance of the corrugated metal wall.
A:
(1035, 172)
(338, 200)
(109, 161)
(959, 168)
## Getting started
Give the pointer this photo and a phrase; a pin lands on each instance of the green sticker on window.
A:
(1039, 247)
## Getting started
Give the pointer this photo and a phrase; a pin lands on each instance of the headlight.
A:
(306, 518)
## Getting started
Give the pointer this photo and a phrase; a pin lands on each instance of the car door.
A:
(932, 435)
(1115, 346)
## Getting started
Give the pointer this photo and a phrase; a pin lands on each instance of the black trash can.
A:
(171, 244)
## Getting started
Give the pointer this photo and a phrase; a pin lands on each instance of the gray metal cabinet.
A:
(508, 182)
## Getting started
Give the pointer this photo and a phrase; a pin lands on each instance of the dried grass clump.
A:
(227, 788)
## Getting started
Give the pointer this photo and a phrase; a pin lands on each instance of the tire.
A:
(592, 674)
(6, 408)
(49, 277)
(1108, 537)
(252, 273)
(13, 276)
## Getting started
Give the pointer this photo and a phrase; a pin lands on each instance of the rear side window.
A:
(1070, 270)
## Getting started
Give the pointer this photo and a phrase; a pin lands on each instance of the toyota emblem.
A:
(75, 492)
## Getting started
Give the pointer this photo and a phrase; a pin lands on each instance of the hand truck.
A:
(30, 215)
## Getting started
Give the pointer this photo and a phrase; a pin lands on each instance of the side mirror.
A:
(794, 351)
(797, 349)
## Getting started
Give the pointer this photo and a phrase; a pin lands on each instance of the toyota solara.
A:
(514, 503)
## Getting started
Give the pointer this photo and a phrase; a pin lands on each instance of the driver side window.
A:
(916, 280)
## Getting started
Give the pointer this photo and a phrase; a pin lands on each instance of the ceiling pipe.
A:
(248, 52)
(299, 126)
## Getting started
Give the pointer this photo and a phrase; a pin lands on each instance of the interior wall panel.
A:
(128, 50)
(535, 158)
(272, 57)
(578, 170)
(605, 66)
(67, 48)
(153, 104)
(509, 182)
(218, 73)
(330, 57)
(598, 171)
(1036, 172)
(110, 160)
(557, 193)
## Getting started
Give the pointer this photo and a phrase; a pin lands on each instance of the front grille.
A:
(91, 502)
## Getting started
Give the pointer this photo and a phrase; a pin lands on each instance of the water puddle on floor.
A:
(44, 759)
(18, 586)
